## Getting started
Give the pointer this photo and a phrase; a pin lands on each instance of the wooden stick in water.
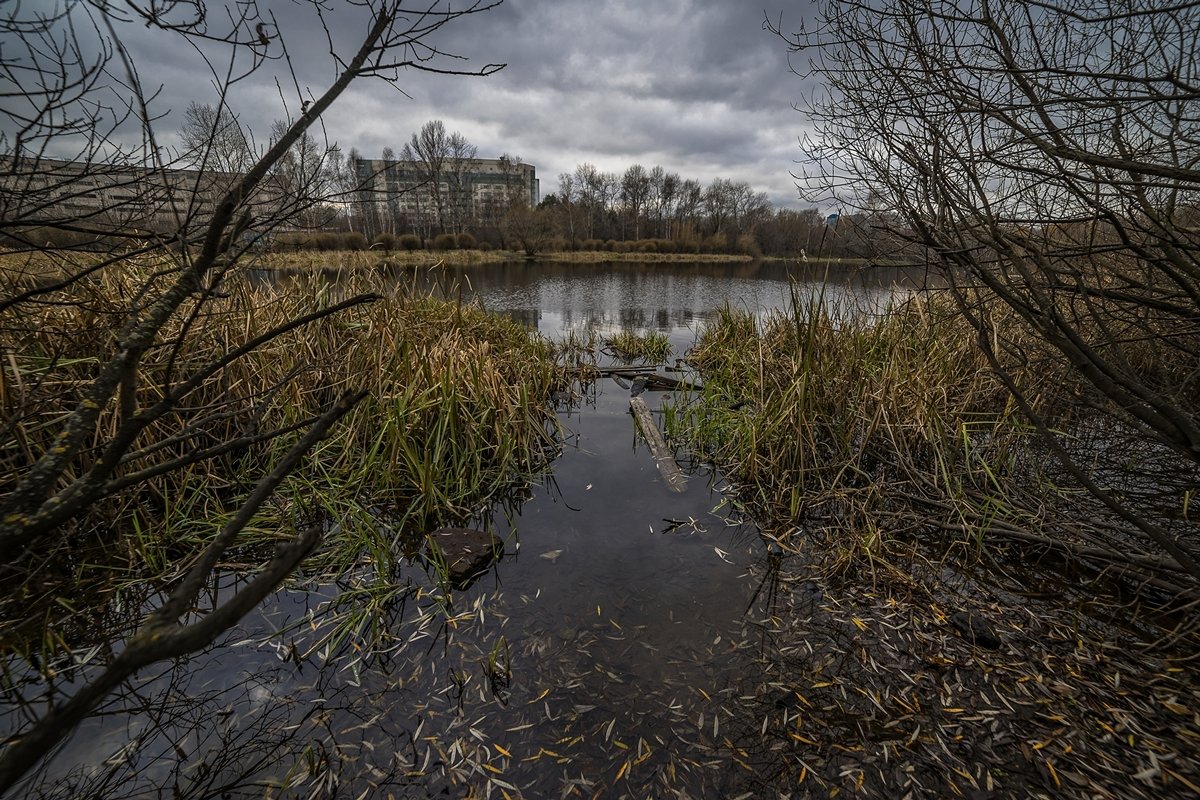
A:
(672, 474)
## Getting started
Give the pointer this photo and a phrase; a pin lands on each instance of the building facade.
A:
(459, 194)
(39, 192)
(47, 192)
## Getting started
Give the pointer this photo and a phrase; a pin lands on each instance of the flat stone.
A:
(466, 553)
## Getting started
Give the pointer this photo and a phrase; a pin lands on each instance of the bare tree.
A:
(568, 195)
(529, 227)
(607, 189)
(214, 140)
(304, 178)
(691, 199)
(720, 204)
(459, 155)
(133, 370)
(749, 207)
(664, 194)
(344, 185)
(635, 193)
(1044, 154)
(594, 195)
(386, 207)
(426, 153)
(515, 191)
(359, 207)
(510, 192)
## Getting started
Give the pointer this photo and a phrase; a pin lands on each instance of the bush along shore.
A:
(344, 260)
(941, 600)
(456, 415)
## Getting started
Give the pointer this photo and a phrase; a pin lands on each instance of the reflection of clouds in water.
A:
(259, 693)
(672, 298)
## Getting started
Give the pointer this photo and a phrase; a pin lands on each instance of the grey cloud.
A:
(694, 85)
(698, 87)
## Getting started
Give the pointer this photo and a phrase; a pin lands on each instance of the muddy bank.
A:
(869, 688)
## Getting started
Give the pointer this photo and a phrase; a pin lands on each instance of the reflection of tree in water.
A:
(411, 719)
(674, 295)
(182, 737)
(631, 698)
(266, 733)
(632, 318)
(243, 717)
(664, 320)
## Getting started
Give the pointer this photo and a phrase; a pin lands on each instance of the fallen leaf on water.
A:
(552, 555)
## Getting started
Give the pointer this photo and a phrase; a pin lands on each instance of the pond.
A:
(604, 655)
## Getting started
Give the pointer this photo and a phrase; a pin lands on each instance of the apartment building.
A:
(470, 190)
(52, 192)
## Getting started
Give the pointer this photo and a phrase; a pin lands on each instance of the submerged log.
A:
(668, 382)
(626, 371)
(654, 380)
(663, 458)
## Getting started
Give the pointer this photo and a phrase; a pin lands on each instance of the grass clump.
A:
(864, 428)
(456, 415)
(651, 346)
(577, 347)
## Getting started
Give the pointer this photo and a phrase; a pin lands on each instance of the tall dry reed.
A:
(456, 413)
(858, 429)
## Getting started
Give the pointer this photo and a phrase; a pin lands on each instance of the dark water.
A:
(600, 657)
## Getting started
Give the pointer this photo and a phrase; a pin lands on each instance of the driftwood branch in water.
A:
(655, 381)
(663, 457)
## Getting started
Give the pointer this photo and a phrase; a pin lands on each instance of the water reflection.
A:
(672, 298)
(612, 649)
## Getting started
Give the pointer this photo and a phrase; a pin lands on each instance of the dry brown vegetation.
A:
(942, 595)
(455, 412)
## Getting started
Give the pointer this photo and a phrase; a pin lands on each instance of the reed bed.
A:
(651, 346)
(861, 428)
(457, 413)
(26, 269)
(873, 432)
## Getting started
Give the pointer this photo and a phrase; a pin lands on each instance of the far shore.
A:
(23, 268)
(351, 259)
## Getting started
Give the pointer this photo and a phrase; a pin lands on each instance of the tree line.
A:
(639, 209)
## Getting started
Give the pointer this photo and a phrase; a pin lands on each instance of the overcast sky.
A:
(696, 86)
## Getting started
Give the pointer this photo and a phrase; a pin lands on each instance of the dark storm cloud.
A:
(696, 86)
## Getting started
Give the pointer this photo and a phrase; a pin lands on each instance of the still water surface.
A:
(602, 656)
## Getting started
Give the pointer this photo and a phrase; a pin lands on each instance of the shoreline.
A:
(19, 268)
(360, 259)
